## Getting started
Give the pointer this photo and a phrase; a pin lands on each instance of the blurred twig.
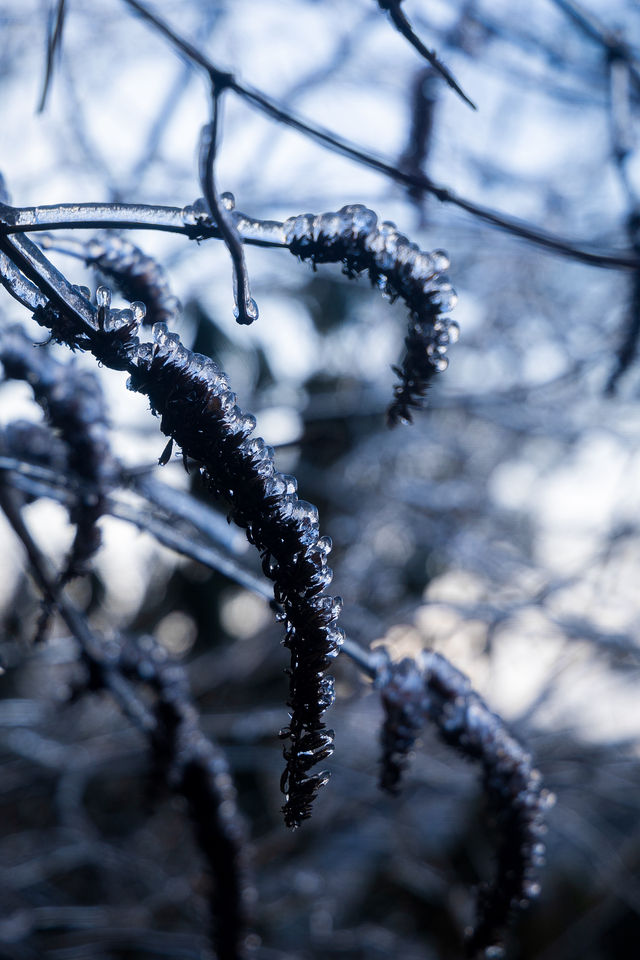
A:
(403, 26)
(56, 26)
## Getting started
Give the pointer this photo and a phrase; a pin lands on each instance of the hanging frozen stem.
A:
(219, 208)
(354, 237)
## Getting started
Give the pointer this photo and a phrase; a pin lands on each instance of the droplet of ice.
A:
(422, 267)
(445, 296)
(440, 261)
(363, 220)
(454, 332)
(329, 226)
(139, 311)
(248, 422)
(291, 484)
(251, 308)
(305, 511)
(103, 297)
(275, 486)
(119, 318)
(160, 331)
(324, 545)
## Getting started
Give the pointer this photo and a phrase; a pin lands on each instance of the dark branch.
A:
(56, 26)
(403, 26)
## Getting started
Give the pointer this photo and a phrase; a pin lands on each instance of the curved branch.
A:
(74, 405)
(136, 275)
(219, 208)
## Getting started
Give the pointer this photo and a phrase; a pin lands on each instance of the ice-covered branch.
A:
(189, 763)
(14, 220)
(192, 396)
(195, 767)
(354, 237)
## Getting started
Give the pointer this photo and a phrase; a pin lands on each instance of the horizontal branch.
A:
(40, 481)
(266, 233)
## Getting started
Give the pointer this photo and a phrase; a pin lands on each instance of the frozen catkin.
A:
(74, 406)
(36, 444)
(354, 237)
(193, 766)
(431, 690)
(137, 276)
(198, 410)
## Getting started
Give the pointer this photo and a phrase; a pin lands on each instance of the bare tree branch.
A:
(403, 26)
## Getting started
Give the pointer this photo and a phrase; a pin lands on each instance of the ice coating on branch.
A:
(433, 690)
(251, 308)
(354, 237)
(198, 410)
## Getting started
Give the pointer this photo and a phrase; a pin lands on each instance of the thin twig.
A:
(403, 26)
(610, 40)
(42, 482)
(620, 128)
(56, 26)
